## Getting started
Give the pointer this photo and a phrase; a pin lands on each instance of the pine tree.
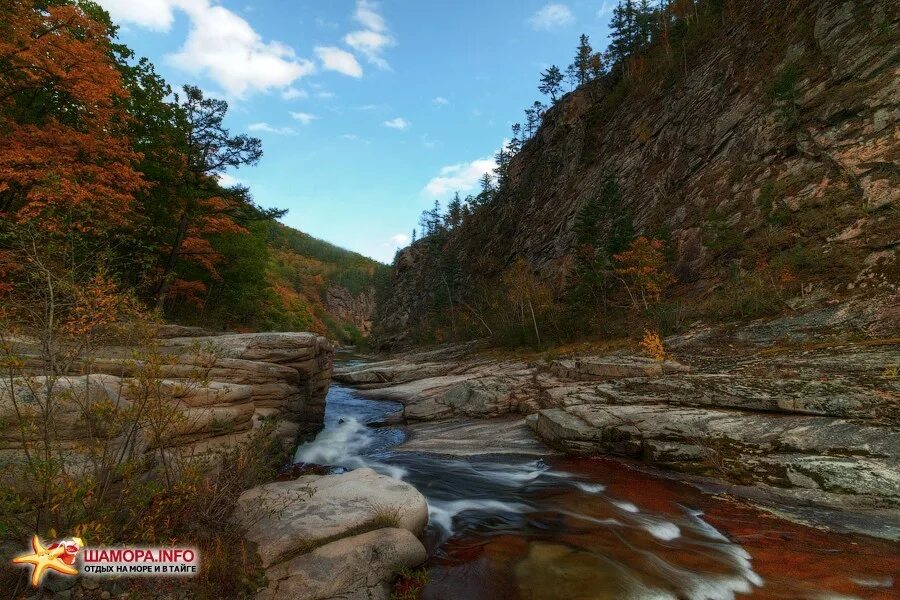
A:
(413, 236)
(516, 141)
(487, 190)
(580, 69)
(623, 32)
(454, 212)
(551, 82)
(515, 144)
(501, 171)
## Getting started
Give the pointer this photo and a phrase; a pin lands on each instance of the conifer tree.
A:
(580, 69)
(551, 82)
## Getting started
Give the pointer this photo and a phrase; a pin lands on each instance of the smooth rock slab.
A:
(609, 367)
(353, 568)
(287, 518)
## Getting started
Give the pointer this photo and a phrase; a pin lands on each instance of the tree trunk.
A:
(534, 320)
(169, 273)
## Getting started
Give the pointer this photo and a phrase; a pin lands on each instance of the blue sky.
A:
(368, 111)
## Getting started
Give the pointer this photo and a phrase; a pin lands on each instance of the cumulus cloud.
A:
(152, 14)
(371, 41)
(462, 177)
(220, 45)
(440, 101)
(335, 59)
(264, 127)
(552, 16)
(397, 123)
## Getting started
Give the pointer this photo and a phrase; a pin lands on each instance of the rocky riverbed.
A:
(790, 406)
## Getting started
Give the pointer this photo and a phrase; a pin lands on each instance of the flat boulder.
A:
(353, 568)
(289, 518)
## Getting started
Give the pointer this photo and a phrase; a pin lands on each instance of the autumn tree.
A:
(551, 82)
(65, 161)
(204, 207)
(526, 295)
(642, 269)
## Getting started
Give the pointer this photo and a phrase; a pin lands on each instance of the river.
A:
(552, 528)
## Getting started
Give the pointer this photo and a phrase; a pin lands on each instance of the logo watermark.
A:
(71, 557)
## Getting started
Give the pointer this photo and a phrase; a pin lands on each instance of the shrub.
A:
(653, 346)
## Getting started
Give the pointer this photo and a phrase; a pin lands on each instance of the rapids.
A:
(555, 528)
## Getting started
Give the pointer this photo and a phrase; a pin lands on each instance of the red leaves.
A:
(67, 159)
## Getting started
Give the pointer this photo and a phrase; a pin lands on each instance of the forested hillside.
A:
(110, 178)
(718, 161)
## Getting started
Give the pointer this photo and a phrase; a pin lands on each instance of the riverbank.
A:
(795, 414)
(535, 524)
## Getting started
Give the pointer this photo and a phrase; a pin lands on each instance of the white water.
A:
(487, 495)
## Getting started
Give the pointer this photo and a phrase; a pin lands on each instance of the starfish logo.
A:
(58, 556)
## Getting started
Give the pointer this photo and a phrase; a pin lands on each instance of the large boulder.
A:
(286, 518)
(353, 568)
(334, 536)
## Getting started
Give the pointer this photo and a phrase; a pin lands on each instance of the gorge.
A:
(654, 356)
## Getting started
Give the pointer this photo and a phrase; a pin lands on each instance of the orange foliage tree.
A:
(64, 160)
(642, 270)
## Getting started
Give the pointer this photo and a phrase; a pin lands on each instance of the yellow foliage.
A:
(653, 345)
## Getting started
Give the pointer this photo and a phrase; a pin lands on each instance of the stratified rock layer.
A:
(222, 387)
(784, 403)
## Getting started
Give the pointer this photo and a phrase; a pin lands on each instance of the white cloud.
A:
(440, 101)
(371, 44)
(220, 45)
(606, 8)
(374, 38)
(293, 93)
(397, 123)
(335, 59)
(552, 16)
(266, 128)
(152, 14)
(324, 95)
(367, 15)
(399, 239)
(227, 180)
(462, 177)
(304, 118)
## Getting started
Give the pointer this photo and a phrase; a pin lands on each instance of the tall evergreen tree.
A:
(454, 212)
(551, 82)
(580, 69)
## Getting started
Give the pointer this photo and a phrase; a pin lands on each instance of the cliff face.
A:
(353, 309)
(778, 134)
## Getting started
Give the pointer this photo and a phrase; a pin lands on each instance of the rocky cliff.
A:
(774, 140)
(216, 390)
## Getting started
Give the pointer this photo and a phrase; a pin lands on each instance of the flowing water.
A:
(555, 528)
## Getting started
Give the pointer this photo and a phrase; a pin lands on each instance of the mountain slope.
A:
(763, 151)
